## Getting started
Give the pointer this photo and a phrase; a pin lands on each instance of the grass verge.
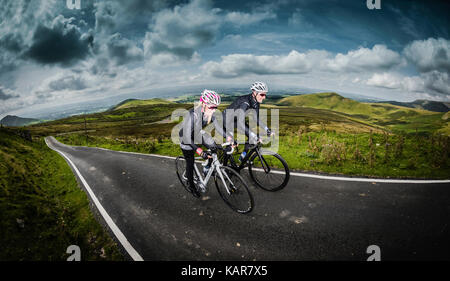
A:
(372, 155)
(42, 209)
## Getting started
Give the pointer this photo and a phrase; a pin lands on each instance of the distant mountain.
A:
(436, 106)
(11, 120)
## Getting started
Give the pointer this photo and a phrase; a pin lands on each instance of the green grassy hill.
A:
(393, 117)
(335, 102)
(135, 103)
(42, 209)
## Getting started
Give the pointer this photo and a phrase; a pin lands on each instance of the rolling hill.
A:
(137, 102)
(16, 121)
(435, 106)
(391, 116)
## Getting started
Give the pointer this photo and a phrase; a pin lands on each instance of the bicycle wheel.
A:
(180, 164)
(270, 172)
(233, 190)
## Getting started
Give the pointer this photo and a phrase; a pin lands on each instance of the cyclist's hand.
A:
(205, 155)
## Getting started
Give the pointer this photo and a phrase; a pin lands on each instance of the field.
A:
(42, 209)
(353, 138)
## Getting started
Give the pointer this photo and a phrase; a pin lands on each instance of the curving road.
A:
(139, 199)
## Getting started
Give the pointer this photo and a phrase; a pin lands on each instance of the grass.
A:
(372, 155)
(42, 209)
(392, 117)
(379, 155)
(318, 132)
(137, 103)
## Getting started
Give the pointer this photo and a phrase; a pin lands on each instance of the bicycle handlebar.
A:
(228, 144)
(264, 140)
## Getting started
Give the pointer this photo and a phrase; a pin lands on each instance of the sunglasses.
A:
(262, 95)
(211, 107)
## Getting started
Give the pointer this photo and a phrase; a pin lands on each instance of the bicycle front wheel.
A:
(233, 190)
(269, 171)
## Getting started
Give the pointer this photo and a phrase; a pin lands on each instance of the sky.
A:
(52, 53)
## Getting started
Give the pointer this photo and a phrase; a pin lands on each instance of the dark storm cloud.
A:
(61, 44)
(5, 96)
(123, 50)
(12, 42)
(182, 30)
(70, 82)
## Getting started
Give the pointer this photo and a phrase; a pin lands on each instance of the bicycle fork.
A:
(219, 172)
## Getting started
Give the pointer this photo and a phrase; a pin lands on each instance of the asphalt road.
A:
(311, 219)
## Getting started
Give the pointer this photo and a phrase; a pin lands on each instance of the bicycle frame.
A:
(255, 149)
(215, 167)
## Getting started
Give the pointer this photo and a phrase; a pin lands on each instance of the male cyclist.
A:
(234, 114)
(192, 135)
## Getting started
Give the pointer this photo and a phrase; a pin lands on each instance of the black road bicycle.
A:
(267, 169)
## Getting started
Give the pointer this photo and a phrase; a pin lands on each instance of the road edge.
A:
(111, 224)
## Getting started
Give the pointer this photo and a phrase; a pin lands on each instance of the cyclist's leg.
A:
(189, 157)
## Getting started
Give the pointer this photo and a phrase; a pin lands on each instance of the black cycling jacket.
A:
(240, 106)
(193, 124)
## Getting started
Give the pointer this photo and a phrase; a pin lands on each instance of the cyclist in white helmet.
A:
(192, 134)
(241, 105)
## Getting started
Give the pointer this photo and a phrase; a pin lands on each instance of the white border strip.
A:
(122, 239)
(302, 174)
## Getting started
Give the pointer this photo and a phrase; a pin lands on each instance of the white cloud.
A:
(241, 64)
(242, 19)
(438, 82)
(433, 83)
(430, 54)
(364, 59)
(396, 81)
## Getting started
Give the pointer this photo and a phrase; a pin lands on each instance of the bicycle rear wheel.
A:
(270, 171)
(180, 164)
(233, 190)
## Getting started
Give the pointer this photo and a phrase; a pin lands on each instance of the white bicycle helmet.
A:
(210, 97)
(259, 87)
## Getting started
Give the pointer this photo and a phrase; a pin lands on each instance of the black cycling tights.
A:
(189, 157)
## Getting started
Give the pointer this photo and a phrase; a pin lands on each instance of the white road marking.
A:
(358, 179)
(304, 174)
(120, 236)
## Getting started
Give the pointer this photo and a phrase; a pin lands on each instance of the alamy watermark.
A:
(75, 252)
(373, 4)
(375, 253)
(73, 4)
(236, 120)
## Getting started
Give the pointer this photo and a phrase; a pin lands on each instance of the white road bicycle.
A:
(230, 185)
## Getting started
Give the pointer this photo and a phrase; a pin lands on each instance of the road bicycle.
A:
(267, 169)
(230, 185)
